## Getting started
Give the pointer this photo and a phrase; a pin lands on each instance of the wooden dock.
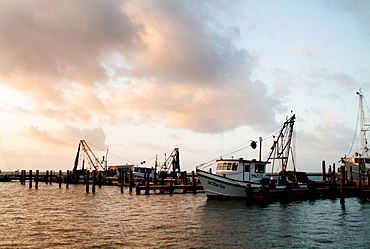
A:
(189, 183)
(169, 188)
(332, 185)
(326, 192)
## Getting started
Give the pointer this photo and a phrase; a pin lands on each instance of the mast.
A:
(364, 148)
(282, 145)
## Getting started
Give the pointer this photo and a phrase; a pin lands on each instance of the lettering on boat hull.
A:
(215, 184)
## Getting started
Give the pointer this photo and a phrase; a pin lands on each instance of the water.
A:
(53, 217)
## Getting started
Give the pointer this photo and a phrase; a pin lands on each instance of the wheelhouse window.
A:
(260, 168)
(246, 167)
(219, 166)
(227, 166)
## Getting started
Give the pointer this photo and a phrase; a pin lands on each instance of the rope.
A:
(267, 135)
(110, 153)
(354, 136)
(4, 155)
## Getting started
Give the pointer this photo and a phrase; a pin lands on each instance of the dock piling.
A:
(67, 179)
(323, 170)
(60, 178)
(30, 179)
(193, 182)
(37, 179)
(147, 188)
(342, 181)
(131, 180)
(51, 177)
(121, 178)
(93, 181)
(350, 175)
(46, 177)
(87, 179)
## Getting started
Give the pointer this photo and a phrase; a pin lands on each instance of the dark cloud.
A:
(75, 58)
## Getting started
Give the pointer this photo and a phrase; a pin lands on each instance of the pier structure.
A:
(166, 182)
(334, 183)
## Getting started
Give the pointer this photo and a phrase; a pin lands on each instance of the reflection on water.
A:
(53, 217)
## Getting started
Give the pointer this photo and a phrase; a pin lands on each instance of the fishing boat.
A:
(359, 162)
(4, 178)
(234, 178)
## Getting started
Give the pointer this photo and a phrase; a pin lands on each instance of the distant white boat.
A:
(4, 178)
(233, 177)
(359, 163)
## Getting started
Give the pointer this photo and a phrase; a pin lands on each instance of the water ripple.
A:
(53, 217)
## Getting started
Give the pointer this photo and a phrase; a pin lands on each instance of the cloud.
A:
(314, 52)
(65, 137)
(162, 61)
(359, 11)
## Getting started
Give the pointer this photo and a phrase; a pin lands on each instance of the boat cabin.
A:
(357, 164)
(138, 171)
(242, 170)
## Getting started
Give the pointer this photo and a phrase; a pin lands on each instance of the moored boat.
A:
(4, 178)
(236, 178)
(359, 163)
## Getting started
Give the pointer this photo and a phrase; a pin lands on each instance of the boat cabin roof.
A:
(241, 160)
(356, 159)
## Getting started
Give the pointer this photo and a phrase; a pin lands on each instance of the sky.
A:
(139, 78)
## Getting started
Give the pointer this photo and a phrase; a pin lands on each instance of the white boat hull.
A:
(216, 186)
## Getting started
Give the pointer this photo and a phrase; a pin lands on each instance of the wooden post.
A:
(342, 181)
(60, 178)
(99, 178)
(51, 177)
(67, 178)
(125, 176)
(194, 184)
(171, 187)
(350, 175)
(30, 179)
(147, 187)
(155, 174)
(334, 168)
(368, 178)
(22, 177)
(87, 179)
(37, 179)
(131, 180)
(323, 170)
(46, 179)
(93, 181)
(137, 189)
(162, 177)
(121, 179)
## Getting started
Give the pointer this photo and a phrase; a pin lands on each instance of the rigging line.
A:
(354, 136)
(245, 145)
(4, 155)
(95, 146)
(366, 104)
(110, 153)
(265, 136)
